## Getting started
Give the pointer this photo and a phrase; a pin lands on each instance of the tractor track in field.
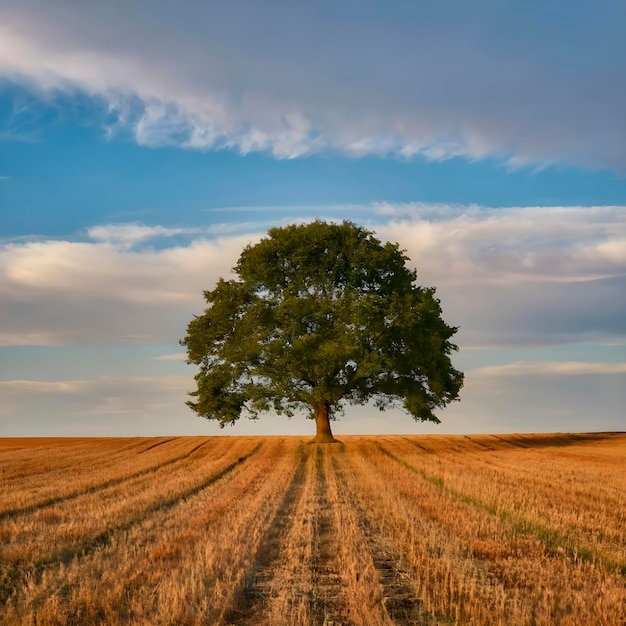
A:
(157, 444)
(16, 575)
(400, 602)
(326, 574)
(264, 578)
(112, 482)
(251, 604)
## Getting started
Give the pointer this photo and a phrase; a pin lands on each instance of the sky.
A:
(144, 144)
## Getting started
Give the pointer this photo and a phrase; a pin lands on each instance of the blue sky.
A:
(142, 145)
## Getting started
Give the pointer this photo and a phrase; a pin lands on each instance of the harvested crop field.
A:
(485, 529)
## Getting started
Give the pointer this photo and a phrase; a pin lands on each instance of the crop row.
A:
(513, 530)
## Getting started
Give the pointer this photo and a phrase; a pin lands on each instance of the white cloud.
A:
(57, 292)
(255, 77)
(518, 276)
(127, 235)
(84, 272)
(457, 244)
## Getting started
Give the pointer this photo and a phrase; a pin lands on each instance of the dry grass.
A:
(510, 530)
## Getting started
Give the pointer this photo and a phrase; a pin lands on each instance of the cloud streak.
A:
(130, 234)
(556, 368)
(408, 82)
(133, 405)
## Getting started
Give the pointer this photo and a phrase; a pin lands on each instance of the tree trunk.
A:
(322, 424)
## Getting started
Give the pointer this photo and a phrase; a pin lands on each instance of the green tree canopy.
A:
(321, 315)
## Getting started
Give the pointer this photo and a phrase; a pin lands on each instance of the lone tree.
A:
(321, 315)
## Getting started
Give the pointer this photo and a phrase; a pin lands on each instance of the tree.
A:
(321, 315)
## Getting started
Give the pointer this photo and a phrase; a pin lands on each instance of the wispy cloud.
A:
(551, 368)
(131, 234)
(128, 234)
(414, 81)
(39, 387)
(133, 405)
(175, 356)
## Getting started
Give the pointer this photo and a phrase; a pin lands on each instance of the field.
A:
(507, 530)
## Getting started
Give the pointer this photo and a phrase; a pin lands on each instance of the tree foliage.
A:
(321, 315)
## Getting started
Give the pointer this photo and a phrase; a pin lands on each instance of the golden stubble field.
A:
(486, 529)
